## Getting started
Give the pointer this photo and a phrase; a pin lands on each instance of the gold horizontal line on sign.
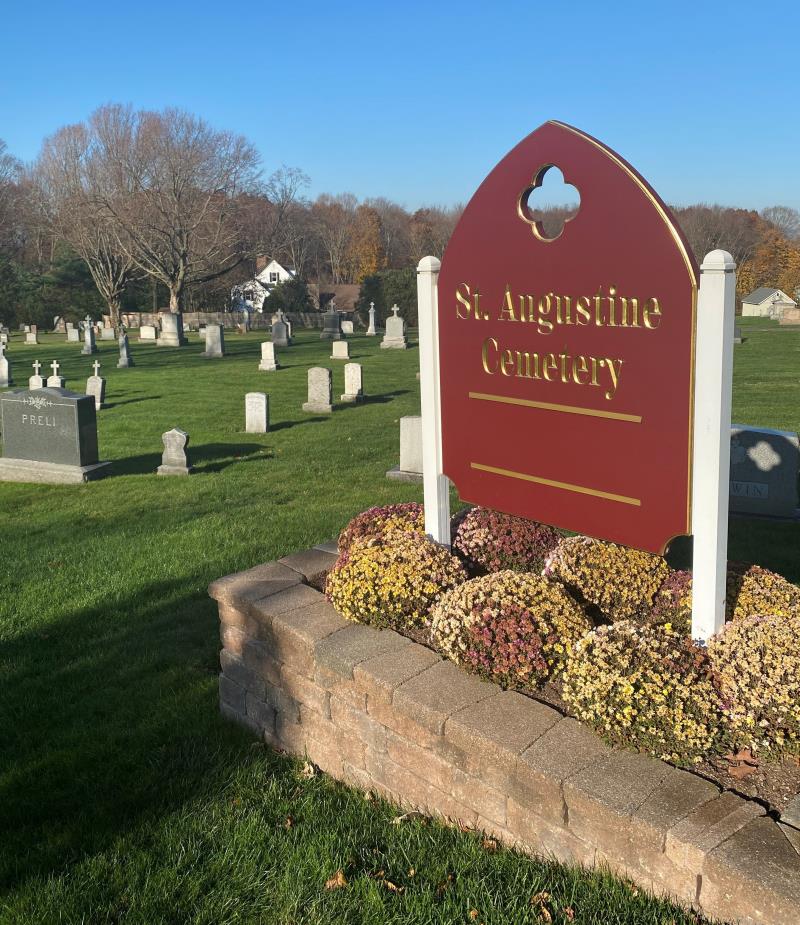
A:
(566, 486)
(549, 406)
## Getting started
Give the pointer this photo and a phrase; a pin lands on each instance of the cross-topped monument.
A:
(56, 381)
(96, 367)
(36, 381)
(5, 367)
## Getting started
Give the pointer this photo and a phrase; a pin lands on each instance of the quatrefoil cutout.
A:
(548, 205)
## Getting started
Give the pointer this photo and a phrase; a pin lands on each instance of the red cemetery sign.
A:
(567, 365)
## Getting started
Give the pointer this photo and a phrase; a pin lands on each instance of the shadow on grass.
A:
(285, 425)
(129, 401)
(209, 457)
(107, 716)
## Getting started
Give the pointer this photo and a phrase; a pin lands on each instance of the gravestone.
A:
(347, 327)
(341, 350)
(96, 386)
(59, 326)
(353, 391)
(107, 333)
(737, 334)
(410, 468)
(32, 334)
(320, 391)
(371, 332)
(3, 337)
(5, 368)
(289, 326)
(172, 331)
(36, 381)
(89, 345)
(394, 338)
(269, 362)
(56, 381)
(125, 359)
(174, 460)
(148, 332)
(764, 469)
(256, 413)
(49, 435)
(215, 341)
(331, 324)
(280, 332)
(73, 335)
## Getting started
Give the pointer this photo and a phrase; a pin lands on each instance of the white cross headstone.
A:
(55, 381)
(394, 338)
(36, 381)
(96, 386)
(371, 332)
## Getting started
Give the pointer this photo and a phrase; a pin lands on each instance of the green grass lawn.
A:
(123, 796)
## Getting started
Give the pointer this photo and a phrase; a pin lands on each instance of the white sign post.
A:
(436, 486)
(716, 306)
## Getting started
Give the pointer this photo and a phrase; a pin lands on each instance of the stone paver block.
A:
(292, 598)
(258, 656)
(254, 583)
(262, 714)
(439, 692)
(791, 815)
(756, 869)
(792, 834)
(310, 563)
(564, 750)
(381, 675)
(232, 638)
(354, 644)
(546, 837)
(403, 725)
(285, 706)
(331, 547)
(358, 723)
(341, 687)
(331, 739)
(418, 760)
(232, 694)
(295, 634)
(487, 736)
(689, 841)
(305, 691)
(241, 719)
(601, 795)
(234, 667)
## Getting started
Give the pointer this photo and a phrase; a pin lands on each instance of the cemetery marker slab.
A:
(49, 435)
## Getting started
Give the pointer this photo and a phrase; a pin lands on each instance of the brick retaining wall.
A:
(382, 713)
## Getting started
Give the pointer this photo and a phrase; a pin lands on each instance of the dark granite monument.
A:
(332, 324)
(49, 435)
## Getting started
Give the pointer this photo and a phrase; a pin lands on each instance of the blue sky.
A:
(418, 101)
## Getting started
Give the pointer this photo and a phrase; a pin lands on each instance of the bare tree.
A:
(334, 221)
(170, 188)
(10, 193)
(785, 219)
(708, 227)
(68, 208)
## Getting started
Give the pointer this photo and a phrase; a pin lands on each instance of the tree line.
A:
(142, 210)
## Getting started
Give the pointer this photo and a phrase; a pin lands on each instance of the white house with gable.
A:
(256, 290)
(766, 303)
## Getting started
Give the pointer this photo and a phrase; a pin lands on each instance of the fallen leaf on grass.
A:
(569, 913)
(392, 887)
(308, 771)
(473, 914)
(444, 885)
(407, 816)
(288, 822)
(490, 844)
(337, 881)
(540, 900)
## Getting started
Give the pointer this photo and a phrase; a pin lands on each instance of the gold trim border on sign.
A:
(551, 406)
(551, 483)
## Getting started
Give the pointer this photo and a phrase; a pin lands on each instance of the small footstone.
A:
(174, 460)
(341, 350)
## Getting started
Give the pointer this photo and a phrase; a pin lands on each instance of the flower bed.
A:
(388, 715)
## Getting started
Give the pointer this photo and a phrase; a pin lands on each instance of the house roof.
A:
(757, 296)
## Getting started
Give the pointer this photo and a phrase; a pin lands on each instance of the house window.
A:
(273, 277)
